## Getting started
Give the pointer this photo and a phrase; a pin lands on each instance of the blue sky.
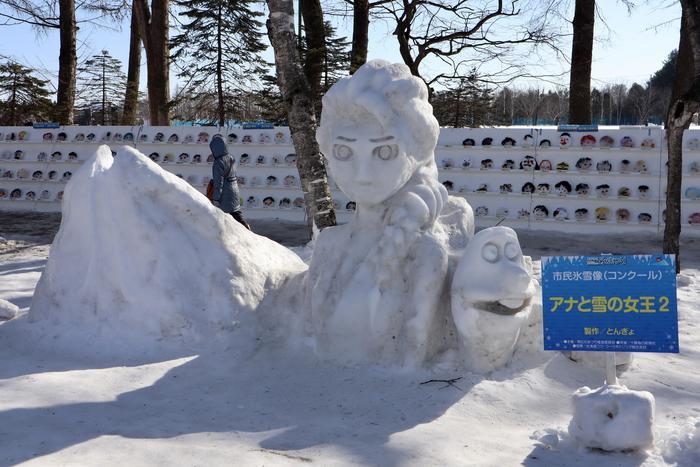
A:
(630, 49)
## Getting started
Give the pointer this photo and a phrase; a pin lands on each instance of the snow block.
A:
(612, 418)
(142, 258)
(8, 310)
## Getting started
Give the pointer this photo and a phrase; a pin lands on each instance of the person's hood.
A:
(218, 147)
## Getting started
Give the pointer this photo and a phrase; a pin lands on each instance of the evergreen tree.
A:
(101, 88)
(661, 84)
(269, 100)
(219, 51)
(468, 104)
(22, 96)
(336, 60)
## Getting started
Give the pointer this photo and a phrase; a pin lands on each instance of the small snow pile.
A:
(8, 310)
(682, 446)
(141, 258)
(612, 418)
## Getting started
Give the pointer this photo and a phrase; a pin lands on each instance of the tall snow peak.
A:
(141, 257)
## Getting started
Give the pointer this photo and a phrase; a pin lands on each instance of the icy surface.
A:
(8, 310)
(613, 418)
(143, 259)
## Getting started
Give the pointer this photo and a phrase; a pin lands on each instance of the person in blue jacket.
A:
(226, 196)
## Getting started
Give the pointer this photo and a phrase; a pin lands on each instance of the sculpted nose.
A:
(363, 172)
(518, 278)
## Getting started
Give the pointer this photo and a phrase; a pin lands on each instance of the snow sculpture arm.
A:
(412, 211)
(492, 292)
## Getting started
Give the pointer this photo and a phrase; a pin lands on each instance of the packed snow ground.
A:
(279, 408)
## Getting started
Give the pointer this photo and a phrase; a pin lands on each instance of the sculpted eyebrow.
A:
(343, 138)
(380, 140)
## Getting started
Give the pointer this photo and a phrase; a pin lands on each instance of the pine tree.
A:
(219, 51)
(22, 96)
(101, 88)
(467, 104)
(336, 60)
(269, 100)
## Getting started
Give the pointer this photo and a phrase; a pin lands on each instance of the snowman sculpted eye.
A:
(342, 152)
(490, 253)
(511, 251)
(386, 152)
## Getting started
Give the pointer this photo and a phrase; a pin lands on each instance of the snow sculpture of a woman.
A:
(406, 281)
(379, 287)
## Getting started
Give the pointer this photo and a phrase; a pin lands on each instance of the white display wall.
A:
(612, 180)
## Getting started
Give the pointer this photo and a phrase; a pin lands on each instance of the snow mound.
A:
(8, 310)
(682, 446)
(613, 418)
(142, 259)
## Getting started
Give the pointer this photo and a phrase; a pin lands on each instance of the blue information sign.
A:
(45, 125)
(586, 128)
(610, 303)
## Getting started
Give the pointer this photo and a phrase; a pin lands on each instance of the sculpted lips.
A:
(506, 307)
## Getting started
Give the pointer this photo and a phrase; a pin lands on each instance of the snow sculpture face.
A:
(377, 129)
(367, 163)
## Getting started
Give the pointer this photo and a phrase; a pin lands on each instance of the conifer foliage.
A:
(101, 88)
(219, 50)
(23, 97)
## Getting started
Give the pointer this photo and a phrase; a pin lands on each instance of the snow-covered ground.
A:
(281, 408)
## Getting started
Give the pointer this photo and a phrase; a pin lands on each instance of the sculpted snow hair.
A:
(394, 97)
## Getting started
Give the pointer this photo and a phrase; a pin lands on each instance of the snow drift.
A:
(141, 257)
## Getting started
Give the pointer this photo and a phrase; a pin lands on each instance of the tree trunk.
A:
(360, 34)
(581, 58)
(131, 98)
(219, 72)
(67, 62)
(315, 34)
(104, 90)
(153, 29)
(297, 96)
(13, 102)
(685, 101)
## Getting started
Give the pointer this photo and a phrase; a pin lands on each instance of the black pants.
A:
(238, 215)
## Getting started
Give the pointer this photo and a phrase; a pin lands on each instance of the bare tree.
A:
(133, 74)
(360, 34)
(555, 104)
(639, 100)
(528, 104)
(60, 14)
(299, 100)
(314, 30)
(685, 102)
(581, 60)
(465, 35)
(153, 25)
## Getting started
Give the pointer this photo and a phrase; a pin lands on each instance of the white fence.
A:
(612, 180)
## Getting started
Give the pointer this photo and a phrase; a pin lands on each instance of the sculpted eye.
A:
(511, 251)
(490, 253)
(386, 151)
(342, 152)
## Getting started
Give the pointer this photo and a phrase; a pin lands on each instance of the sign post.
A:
(610, 304)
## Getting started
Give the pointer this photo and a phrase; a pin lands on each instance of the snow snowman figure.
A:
(378, 134)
